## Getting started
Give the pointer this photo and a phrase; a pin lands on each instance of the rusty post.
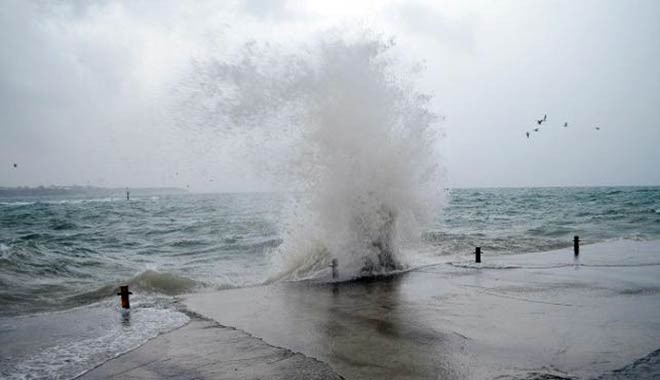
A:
(124, 293)
(334, 265)
(477, 255)
(576, 245)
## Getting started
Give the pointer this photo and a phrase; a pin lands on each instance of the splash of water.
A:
(342, 122)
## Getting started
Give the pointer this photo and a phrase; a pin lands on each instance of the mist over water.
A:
(341, 121)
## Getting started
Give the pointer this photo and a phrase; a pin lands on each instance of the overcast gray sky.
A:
(86, 88)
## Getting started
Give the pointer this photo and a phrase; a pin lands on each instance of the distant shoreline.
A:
(92, 191)
(25, 191)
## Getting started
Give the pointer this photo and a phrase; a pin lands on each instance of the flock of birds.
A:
(541, 121)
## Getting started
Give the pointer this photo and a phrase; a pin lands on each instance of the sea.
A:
(63, 258)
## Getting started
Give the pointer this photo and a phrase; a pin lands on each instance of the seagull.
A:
(598, 128)
(565, 124)
(536, 129)
(527, 133)
(15, 165)
(541, 121)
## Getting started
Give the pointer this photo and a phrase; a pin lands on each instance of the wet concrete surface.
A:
(203, 349)
(514, 317)
(534, 316)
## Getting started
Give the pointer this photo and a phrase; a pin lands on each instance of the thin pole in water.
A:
(334, 265)
(576, 245)
(124, 293)
(477, 255)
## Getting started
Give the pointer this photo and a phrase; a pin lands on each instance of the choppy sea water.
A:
(61, 260)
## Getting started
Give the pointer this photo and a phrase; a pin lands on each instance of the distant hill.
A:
(85, 191)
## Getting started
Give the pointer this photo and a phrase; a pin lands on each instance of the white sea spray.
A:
(341, 121)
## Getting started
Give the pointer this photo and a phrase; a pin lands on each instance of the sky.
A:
(88, 88)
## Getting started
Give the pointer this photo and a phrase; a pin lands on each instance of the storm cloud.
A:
(89, 91)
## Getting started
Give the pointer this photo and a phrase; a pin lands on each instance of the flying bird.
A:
(15, 165)
(598, 128)
(541, 121)
(536, 129)
(527, 133)
(565, 124)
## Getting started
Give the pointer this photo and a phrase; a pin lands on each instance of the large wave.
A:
(340, 120)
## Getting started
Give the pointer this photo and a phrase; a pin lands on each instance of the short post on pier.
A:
(124, 293)
(477, 255)
(334, 266)
(576, 245)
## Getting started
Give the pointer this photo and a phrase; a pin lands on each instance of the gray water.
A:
(59, 253)
(61, 260)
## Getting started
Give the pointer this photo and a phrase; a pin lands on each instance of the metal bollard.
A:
(576, 245)
(334, 265)
(124, 293)
(477, 255)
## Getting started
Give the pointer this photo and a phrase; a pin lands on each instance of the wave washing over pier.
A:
(342, 121)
